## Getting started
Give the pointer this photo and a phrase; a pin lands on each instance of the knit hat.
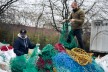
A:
(23, 31)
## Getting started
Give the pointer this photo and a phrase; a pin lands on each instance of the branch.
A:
(81, 3)
(92, 16)
(63, 10)
(40, 15)
(90, 8)
(55, 26)
(6, 6)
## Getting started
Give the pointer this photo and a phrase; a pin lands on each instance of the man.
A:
(22, 43)
(77, 19)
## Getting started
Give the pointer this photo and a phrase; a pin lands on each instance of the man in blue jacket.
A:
(22, 43)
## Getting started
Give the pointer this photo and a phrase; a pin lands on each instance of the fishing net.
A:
(44, 63)
(25, 63)
(30, 65)
(80, 56)
(59, 47)
(18, 63)
(66, 37)
(64, 63)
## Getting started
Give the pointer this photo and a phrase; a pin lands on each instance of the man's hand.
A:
(64, 21)
(72, 20)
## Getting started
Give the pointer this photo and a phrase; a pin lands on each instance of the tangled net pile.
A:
(63, 57)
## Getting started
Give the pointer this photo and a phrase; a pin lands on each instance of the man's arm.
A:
(30, 45)
(70, 17)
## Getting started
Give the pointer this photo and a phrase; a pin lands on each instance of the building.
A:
(99, 36)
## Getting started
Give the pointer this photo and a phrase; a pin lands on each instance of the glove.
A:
(37, 44)
(38, 50)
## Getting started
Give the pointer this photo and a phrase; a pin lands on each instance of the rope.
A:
(80, 56)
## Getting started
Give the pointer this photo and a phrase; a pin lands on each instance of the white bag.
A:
(1, 44)
(8, 54)
(4, 66)
(103, 62)
(2, 70)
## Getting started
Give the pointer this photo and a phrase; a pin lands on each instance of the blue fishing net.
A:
(64, 63)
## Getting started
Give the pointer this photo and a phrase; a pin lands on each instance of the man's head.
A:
(74, 5)
(23, 33)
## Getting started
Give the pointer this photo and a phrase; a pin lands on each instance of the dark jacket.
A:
(79, 16)
(21, 46)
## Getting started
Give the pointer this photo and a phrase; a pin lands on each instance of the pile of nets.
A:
(30, 64)
(80, 56)
(25, 63)
(52, 59)
(66, 60)
(57, 58)
(72, 59)
(66, 38)
(64, 63)
(35, 63)
(44, 63)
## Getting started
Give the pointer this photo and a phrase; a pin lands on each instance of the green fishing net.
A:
(66, 37)
(44, 63)
(24, 63)
(18, 63)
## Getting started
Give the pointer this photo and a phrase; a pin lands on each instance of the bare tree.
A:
(6, 5)
(60, 8)
(55, 26)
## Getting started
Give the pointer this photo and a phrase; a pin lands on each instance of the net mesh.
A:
(64, 63)
(57, 58)
(79, 55)
(44, 63)
(66, 37)
(24, 63)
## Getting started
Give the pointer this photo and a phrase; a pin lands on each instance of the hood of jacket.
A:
(19, 35)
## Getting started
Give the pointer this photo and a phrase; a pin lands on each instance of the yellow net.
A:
(54, 69)
(80, 56)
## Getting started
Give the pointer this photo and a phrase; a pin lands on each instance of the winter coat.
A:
(22, 45)
(79, 16)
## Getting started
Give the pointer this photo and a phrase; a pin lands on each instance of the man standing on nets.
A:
(77, 19)
(22, 43)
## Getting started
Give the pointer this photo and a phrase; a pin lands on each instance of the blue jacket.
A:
(21, 46)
